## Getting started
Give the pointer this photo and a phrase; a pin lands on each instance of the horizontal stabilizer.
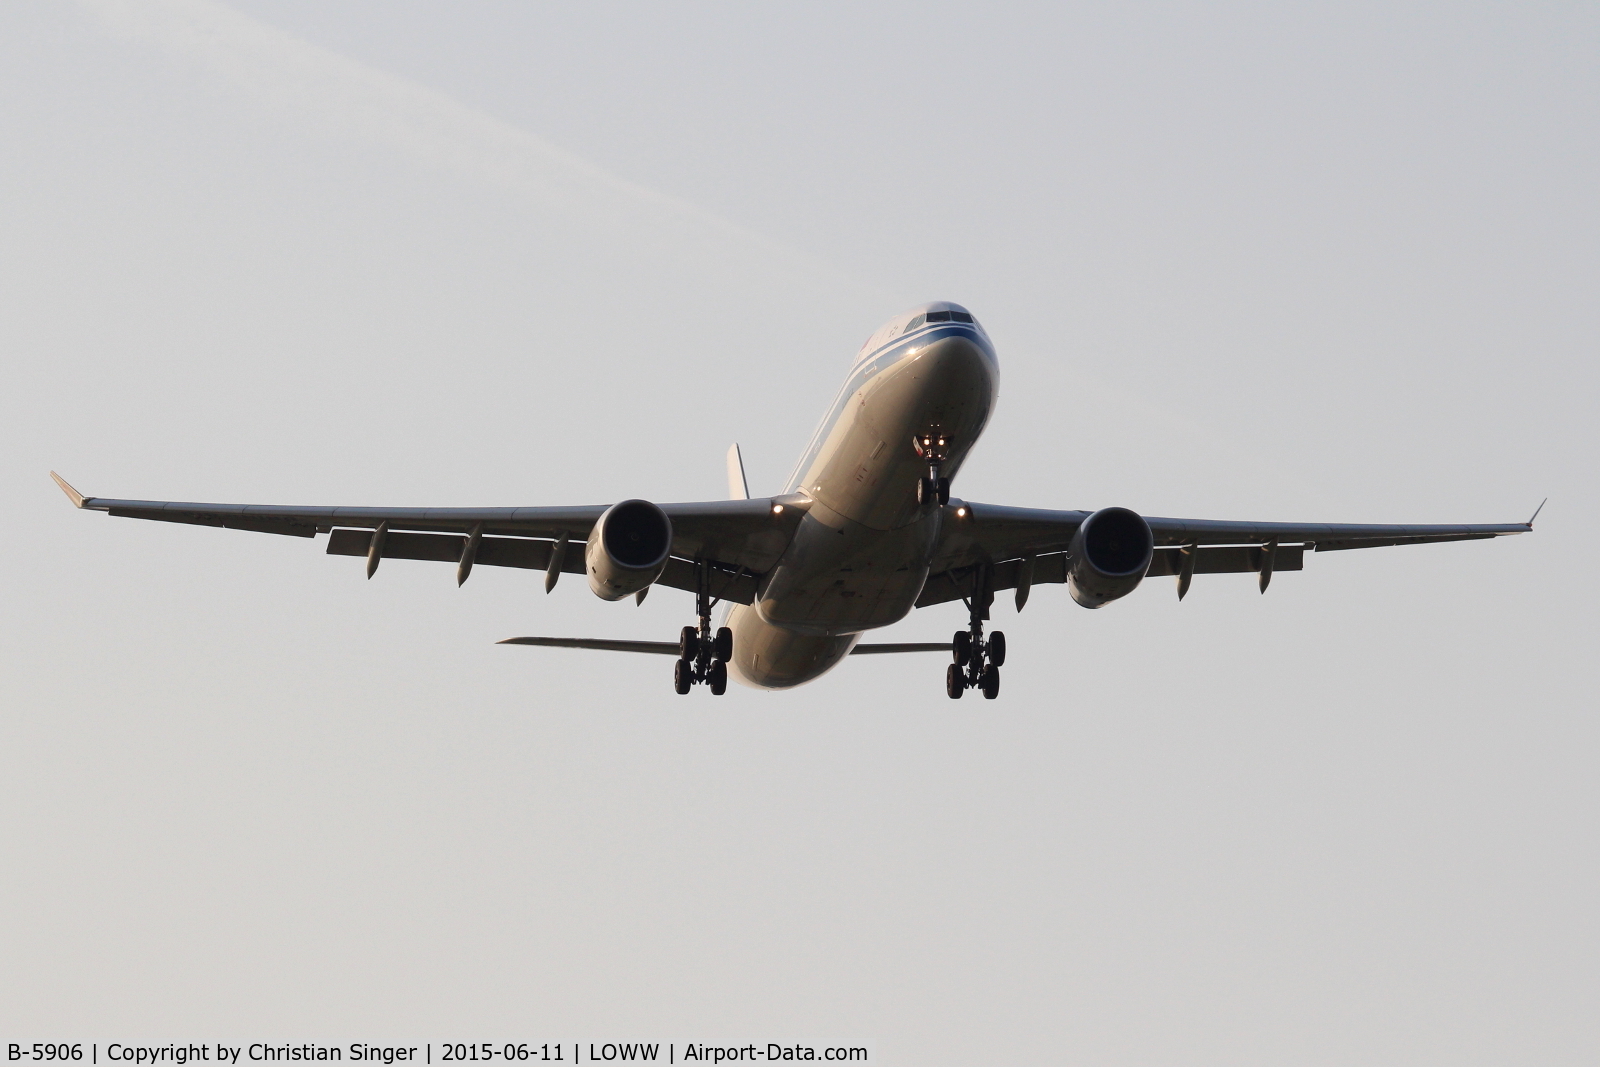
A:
(904, 646)
(659, 648)
(670, 648)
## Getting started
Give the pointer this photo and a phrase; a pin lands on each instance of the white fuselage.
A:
(861, 554)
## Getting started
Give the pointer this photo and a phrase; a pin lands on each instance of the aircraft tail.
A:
(738, 487)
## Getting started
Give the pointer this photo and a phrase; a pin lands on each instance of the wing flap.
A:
(524, 553)
(727, 583)
(960, 583)
(1226, 559)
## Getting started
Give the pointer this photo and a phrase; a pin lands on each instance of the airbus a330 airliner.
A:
(865, 531)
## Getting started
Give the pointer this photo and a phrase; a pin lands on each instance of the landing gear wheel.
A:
(955, 683)
(688, 643)
(961, 647)
(682, 677)
(722, 647)
(990, 683)
(944, 490)
(718, 677)
(997, 649)
(926, 491)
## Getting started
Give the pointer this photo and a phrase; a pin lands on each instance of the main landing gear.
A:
(932, 446)
(977, 661)
(703, 656)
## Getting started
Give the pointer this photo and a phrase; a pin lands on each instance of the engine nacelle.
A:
(627, 549)
(1109, 555)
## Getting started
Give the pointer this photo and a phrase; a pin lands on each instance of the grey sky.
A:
(1244, 261)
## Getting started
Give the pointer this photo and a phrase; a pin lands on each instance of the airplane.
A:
(865, 531)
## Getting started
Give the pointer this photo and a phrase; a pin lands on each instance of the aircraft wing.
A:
(741, 538)
(1018, 547)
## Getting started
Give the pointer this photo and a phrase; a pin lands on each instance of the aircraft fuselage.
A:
(861, 554)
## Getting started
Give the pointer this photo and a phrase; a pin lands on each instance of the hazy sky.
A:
(1240, 261)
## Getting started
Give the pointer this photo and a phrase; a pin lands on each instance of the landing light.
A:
(777, 509)
(961, 513)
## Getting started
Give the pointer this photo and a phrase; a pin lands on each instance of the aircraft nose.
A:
(960, 364)
(951, 383)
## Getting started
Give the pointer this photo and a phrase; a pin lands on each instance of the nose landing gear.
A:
(932, 446)
(977, 661)
(703, 656)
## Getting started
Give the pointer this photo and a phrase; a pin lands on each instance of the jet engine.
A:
(627, 549)
(1108, 556)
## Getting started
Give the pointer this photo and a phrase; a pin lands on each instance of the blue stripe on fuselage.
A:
(925, 330)
(878, 360)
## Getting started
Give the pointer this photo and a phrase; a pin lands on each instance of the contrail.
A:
(352, 101)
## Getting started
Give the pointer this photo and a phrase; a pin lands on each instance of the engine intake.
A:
(628, 549)
(1109, 556)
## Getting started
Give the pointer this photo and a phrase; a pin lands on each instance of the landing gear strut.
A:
(703, 656)
(977, 661)
(932, 446)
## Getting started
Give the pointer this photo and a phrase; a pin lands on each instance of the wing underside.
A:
(984, 548)
(737, 540)
(727, 582)
(987, 547)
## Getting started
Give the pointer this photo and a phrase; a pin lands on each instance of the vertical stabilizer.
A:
(738, 488)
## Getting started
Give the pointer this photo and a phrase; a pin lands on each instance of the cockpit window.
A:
(938, 316)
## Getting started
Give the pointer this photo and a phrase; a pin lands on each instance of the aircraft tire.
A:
(990, 683)
(955, 683)
(682, 677)
(718, 677)
(722, 648)
(944, 490)
(997, 648)
(688, 643)
(961, 647)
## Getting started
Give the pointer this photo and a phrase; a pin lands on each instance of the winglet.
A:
(73, 495)
(1536, 510)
